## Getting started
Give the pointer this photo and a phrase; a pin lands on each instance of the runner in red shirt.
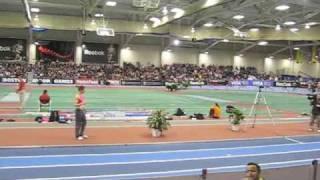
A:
(21, 91)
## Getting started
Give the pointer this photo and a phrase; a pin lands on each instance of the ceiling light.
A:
(208, 25)
(311, 23)
(238, 17)
(35, 10)
(294, 29)
(93, 22)
(206, 52)
(165, 11)
(225, 40)
(289, 23)
(83, 46)
(98, 15)
(139, 34)
(282, 7)
(165, 19)
(296, 48)
(176, 42)
(193, 30)
(278, 27)
(262, 43)
(36, 18)
(154, 19)
(145, 26)
(179, 12)
(307, 26)
(186, 37)
(254, 29)
(111, 3)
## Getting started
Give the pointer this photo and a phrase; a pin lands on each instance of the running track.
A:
(157, 160)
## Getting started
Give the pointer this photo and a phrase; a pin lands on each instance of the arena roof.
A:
(203, 24)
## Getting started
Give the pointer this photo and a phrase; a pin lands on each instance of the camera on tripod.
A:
(260, 88)
(312, 98)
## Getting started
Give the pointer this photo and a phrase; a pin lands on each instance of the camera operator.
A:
(315, 112)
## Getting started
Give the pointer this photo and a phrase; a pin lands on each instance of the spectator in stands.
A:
(21, 90)
(44, 98)
(253, 172)
(80, 116)
(215, 111)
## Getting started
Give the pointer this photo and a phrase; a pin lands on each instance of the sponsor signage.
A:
(88, 82)
(63, 81)
(152, 83)
(93, 53)
(114, 82)
(55, 50)
(285, 84)
(252, 83)
(10, 80)
(197, 83)
(12, 49)
(131, 83)
(43, 81)
(100, 53)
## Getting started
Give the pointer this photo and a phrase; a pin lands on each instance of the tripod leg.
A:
(268, 110)
(254, 103)
(254, 109)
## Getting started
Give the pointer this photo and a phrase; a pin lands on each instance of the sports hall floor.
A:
(126, 150)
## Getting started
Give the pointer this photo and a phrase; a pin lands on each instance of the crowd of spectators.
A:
(169, 73)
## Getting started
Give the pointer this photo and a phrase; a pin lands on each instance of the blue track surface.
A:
(143, 161)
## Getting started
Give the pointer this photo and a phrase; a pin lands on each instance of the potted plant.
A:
(235, 117)
(157, 122)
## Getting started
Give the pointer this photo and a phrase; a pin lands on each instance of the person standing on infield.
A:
(81, 120)
(21, 90)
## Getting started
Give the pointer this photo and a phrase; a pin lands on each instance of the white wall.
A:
(180, 56)
(286, 66)
(153, 55)
(139, 53)
(216, 57)
(250, 59)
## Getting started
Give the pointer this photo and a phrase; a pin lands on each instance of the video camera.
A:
(260, 87)
(312, 98)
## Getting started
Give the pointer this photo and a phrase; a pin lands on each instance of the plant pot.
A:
(235, 127)
(156, 133)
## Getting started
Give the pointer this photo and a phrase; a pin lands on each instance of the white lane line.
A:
(156, 161)
(236, 168)
(153, 143)
(157, 152)
(293, 140)
(209, 99)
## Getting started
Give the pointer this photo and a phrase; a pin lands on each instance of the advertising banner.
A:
(87, 82)
(41, 81)
(152, 83)
(131, 83)
(62, 81)
(100, 53)
(12, 49)
(11, 80)
(55, 51)
(267, 83)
